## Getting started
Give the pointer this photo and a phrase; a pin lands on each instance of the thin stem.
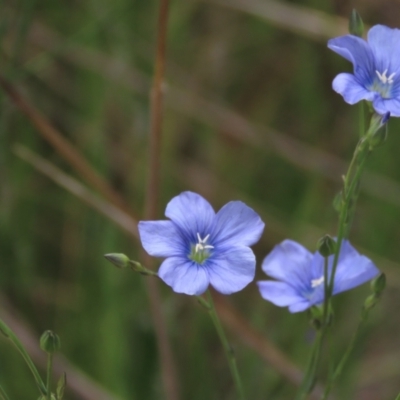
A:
(10, 335)
(49, 374)
(339, 368)
(3, 394)
(230, 355)
(309, 377)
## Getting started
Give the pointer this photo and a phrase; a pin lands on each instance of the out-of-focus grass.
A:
(87, 65)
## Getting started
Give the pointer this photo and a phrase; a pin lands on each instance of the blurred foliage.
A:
(244, 94)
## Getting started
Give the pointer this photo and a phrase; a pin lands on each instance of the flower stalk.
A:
(9, 334)
(229, 353)
(349, 195)
(3, 394)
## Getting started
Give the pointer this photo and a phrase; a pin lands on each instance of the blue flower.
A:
(376, 69)
(300, 274)
(201, 247)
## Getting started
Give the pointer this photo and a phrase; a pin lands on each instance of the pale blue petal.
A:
(358, 52)
(385, 45)
(301, 306)
(279, 293)
(160, 238)
(192, 214)
(289, 262)
(354, 271)
(231, 271)
(235, 224)
(184, 276)
(382, 106)
(350, 88)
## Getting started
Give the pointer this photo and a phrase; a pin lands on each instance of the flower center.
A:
(383, 84)
(200, 251)
(385, 79)
(317, 282)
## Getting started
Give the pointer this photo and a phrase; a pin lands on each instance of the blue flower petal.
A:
(354, 271)
(382, 106)
(237, 223)
(279, 293)
(350, 88)
(160, 238)
(231, 271)
(358, 52)
(385, 45)
(289, 262)
(184, 276)
(298, 307)
(192, 213)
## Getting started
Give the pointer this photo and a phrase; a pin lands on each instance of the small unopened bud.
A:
(118, 259)
(378, 284)
(356, 25)
(61, 384)
(49, 342)
(326, 246)
(371, 301)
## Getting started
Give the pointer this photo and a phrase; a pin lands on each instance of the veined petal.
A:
(382, 106)
(352, 272)
(160, 238)
(184, 276)
(237, 223)
(231, 271)
(192, 213)
(352, 91)
(358, 52)
(279, 293)
(385, 45)
(289, 262)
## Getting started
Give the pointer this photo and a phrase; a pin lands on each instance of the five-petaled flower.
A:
(300, 274)
(202, 247)
(376, 69)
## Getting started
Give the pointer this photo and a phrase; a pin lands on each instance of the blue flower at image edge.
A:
(300, 274)
(202, 247)
(376, 65)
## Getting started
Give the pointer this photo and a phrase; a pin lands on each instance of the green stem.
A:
(309, 377)
(49, 374)
(209, 305)
(3, 394)
(13, 338)
(338, 370)
(351, 182)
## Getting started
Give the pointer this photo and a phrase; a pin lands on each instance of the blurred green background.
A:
(249, 115)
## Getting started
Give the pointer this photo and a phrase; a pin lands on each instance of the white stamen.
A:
(317, 282)
(385, 79)
(201, 245)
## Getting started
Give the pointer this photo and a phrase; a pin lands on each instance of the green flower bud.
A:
(118, 259)
(326, 246)
(380, 135)
(61, 386)
(371, 301)
(356, 25)
(49, 342)
(378, 284)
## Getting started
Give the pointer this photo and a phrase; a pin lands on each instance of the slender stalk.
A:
(3, 394)
(168, 370)
(49, 374)
(351, 182)
(230, 355)
(16, 342)
(339, 368)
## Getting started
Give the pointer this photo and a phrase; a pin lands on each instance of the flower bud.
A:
(326, 246)
(118, 259)
(49, 342)
(378, 284)
(370, 302)
(356, 25)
